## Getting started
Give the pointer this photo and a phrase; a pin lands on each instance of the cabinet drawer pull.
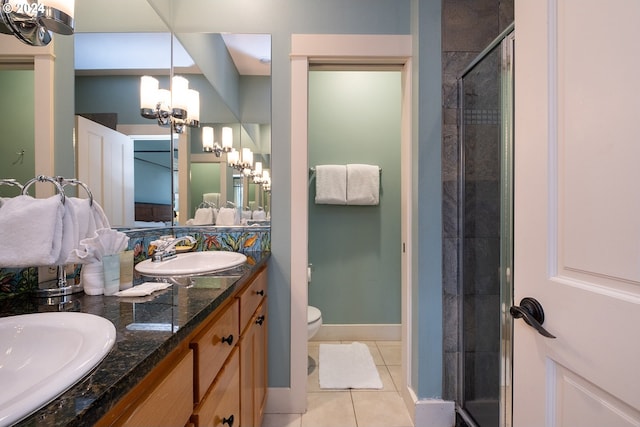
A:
(260, 320)
(228, 340)
(260, 292)
(228, 421)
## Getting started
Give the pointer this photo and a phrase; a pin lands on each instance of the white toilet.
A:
(314, 320)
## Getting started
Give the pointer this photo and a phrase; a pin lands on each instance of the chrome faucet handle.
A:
(166, 248)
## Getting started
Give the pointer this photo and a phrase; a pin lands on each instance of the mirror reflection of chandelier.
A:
(178, 107)
(32, 21)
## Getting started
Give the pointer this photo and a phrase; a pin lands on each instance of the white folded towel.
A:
(259, 215)
(146, 288)
(31, 231)
(203, 216)
(226, 217)
(363, 184)
(331, 184)
(246, 214)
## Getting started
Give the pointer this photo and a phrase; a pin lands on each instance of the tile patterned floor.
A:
(352, 408)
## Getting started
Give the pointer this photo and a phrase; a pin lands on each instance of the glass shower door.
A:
(486, 236)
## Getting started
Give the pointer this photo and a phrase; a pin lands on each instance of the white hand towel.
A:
(203, 216)
(246, 214)
(226, 217)
(331, 184)
(363, 184)
(84, 216)
(100, 217)
(31, 231)
(70, 232)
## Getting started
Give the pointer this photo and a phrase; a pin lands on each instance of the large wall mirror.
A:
(173, 175)
(170, 172)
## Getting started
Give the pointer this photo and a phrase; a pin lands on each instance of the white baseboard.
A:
(363, 332)
(435, 413)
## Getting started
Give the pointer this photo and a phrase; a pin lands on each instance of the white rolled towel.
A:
(31, 231)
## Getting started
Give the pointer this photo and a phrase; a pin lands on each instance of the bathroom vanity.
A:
(194, 354)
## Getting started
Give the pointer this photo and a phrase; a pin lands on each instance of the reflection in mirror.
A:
(107, 92)
(165, 188)
(237, 69)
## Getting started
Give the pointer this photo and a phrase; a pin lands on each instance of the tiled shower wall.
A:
(468, 26)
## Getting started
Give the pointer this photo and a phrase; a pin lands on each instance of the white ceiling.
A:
(251, 53)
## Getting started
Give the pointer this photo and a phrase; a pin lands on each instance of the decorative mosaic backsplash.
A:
(235, 239)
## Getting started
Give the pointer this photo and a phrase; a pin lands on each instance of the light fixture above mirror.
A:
(32, 21)
(179, 107)
(209, 145)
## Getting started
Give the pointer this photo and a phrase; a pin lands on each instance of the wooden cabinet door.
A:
(220, 406)
(253, 369)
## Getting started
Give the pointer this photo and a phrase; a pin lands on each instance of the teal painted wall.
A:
(152, 171)
(63, 112)
(354, 117)
(17, 123)
(112, 94)
(205, 178)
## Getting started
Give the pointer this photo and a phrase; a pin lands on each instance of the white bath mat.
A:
(344, 366)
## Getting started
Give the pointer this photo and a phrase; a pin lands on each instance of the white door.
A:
(105, 164)
(577, 212)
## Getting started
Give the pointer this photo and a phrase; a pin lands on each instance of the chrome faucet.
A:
(166, 247)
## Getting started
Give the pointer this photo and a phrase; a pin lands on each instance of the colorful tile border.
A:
(247, 239)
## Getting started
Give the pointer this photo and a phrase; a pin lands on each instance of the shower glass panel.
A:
(486, 236)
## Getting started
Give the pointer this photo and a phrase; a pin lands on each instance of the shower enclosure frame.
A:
(506, 43)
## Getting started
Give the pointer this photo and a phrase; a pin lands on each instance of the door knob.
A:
(530, 310)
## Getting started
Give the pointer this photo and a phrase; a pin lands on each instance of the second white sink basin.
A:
(192, 263)
(43, 354)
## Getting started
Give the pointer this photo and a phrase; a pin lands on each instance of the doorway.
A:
(354, 118)
(486, 235)
(350, 49)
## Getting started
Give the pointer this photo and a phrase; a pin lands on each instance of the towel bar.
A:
(11, 182)
(43, 178)
(72, 181)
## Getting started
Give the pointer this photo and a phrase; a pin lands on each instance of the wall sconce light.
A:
(242, 163)
(180, 107)
(265, 180)
(247, 159)
(207, 140)
(210, 146)
(32, 20)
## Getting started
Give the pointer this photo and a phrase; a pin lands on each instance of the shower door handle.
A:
(530, 310)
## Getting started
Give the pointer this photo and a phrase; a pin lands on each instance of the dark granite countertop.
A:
(147, 329)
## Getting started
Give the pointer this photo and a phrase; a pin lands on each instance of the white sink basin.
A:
(192, 263)
(44, 354)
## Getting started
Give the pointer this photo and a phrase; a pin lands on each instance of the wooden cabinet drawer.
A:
(170, 403)
(212, 347)
(251, 298)
(222, 401)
